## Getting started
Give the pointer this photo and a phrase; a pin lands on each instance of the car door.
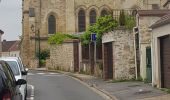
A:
(12, 83)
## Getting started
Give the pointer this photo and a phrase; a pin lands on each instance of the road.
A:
(57, 86)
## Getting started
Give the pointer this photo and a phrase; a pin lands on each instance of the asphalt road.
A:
(56, 86)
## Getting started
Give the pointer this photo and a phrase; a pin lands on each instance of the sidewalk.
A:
(123, 90)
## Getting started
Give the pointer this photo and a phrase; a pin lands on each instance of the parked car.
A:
(9, 87)
(19, 72)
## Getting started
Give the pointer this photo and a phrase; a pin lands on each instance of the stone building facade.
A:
(122, 62)
(66, 16)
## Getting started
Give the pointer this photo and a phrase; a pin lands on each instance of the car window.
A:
(21, 66)
(10, 74)
(14, 67)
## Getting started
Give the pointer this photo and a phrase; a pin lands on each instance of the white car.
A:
(19, 71)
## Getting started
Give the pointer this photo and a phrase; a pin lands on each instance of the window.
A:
(92, 17)
(81, 21)
(51, 24)
(31, 12)
(104, 12)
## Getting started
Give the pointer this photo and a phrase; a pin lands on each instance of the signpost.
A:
(93, 39)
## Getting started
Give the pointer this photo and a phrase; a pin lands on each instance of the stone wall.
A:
(123, 53)
(62, 56)
(144, 23)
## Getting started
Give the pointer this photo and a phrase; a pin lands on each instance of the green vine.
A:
(129, 22)
(58, 38)
(104, 24)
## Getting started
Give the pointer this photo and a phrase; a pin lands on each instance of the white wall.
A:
(11, 54)
(156, 33)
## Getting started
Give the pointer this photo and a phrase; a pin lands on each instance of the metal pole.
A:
(94, 55)
(39, 48)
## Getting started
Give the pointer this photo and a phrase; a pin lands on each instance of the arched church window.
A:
(81, 21)
(92, 17)
(51, 24)
(104, 12)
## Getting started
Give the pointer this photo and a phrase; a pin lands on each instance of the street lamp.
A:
(37, 37)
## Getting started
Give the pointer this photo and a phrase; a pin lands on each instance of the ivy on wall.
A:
(103, 24)
(58, 38)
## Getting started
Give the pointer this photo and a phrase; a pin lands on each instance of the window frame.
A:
(51, 24)
(81, 20)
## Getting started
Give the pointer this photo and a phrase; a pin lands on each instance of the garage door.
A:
(165, 61)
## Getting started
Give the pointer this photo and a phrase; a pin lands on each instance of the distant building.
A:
(10, 48)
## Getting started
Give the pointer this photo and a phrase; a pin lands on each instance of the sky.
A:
(11, 19)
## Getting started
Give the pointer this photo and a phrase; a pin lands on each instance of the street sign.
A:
(93, 37)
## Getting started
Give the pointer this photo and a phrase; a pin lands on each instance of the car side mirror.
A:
(24, 72)
(21, 82)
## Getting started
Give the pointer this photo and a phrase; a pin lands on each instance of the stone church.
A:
(42, 18)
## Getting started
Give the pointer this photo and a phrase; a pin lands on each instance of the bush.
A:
(44, 54)
(42, 62)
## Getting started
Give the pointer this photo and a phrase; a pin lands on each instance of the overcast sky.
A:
(11, 18)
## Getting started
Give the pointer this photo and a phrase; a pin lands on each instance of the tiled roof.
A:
(162, 21)
(14, 47)
(158, 13)
(166, 3)
(10, 46)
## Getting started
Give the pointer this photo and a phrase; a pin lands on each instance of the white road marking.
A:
(30, 74)
(53, 73)
(41, 73)
(32, 93)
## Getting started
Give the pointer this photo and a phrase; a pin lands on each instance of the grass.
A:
(166, 90)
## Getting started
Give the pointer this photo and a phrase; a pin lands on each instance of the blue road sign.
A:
(93, 37)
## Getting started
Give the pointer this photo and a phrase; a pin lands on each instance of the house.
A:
(143, 38)
(143, 41)
(161, 52)
(10, 48)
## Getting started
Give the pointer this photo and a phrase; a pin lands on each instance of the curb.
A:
(98, 89)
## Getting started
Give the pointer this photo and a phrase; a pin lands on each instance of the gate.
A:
(148, 65)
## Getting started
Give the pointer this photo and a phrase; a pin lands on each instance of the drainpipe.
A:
(152, 52)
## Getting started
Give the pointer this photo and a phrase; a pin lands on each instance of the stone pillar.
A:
(25, 35)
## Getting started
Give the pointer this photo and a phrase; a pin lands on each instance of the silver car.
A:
(19, 71)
